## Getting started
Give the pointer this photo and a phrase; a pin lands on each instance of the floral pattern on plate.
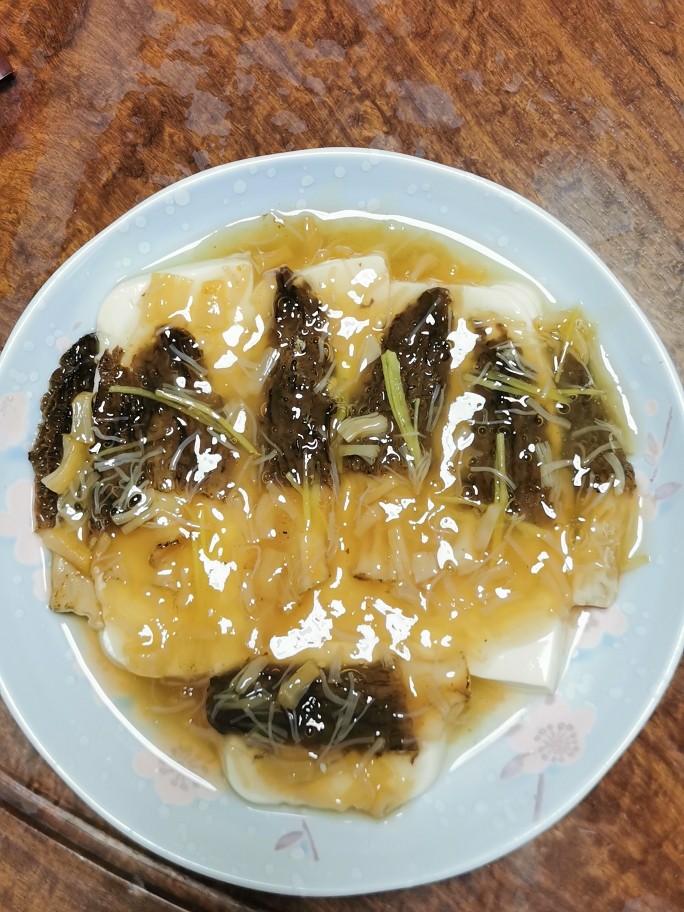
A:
(299, 842)
(550, 734)
(172, 783)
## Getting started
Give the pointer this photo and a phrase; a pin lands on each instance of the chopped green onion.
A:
(306, 504)
(185, 404)
(500, 490)
(514, 387)
(293, 481)
(561, 360)
(397, 400)
(416, 410)
(456, 500)
(500, 486)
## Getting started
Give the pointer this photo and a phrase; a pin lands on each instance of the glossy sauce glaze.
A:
(435, 542)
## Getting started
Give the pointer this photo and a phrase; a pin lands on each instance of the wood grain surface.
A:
(576, 104)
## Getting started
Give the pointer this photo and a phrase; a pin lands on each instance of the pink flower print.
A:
(603, 622)
(172, 783)
(551, 733)
(17, 522)
(300, 843)
(652, 495)
(13, 419)
(652, 492)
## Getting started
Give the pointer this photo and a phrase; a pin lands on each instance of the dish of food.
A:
(330, 499)
(332, 487)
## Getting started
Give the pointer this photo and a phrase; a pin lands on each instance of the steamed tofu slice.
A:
(604, 540)
(377, 785)
(363, 282)
(515, 304)
(72, 591)
(215, 300)
(513, 301)
(123, 310)
(171, 593)
(118, 321)
(537, 663)
(596, 584)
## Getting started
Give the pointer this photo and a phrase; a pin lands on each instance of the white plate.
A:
(521, 781)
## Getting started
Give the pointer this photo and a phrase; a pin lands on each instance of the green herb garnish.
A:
(191, 407)
(397, 400)
(502, 383)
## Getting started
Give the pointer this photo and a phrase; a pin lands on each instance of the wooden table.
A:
(576, 105)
